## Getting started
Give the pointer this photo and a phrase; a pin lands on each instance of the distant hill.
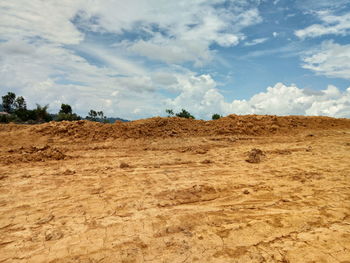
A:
(112, 120)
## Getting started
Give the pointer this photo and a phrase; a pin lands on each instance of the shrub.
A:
(216, 116)
(41, 114)
(7, 118)
(67, 117)
(170, 112)
(65, 109)
(185, 114)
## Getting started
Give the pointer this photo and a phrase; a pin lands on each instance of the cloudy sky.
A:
(135, 58)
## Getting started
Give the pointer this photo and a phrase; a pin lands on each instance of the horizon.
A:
(133, 61)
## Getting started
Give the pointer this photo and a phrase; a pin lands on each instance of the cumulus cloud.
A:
(180, 30)
(331, 59)
(49, 51)
(330, 25)
(189, 39)
(205, 99)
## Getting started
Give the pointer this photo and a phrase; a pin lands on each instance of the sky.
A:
(134, 59)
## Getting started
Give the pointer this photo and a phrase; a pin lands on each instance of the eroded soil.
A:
(174, 198)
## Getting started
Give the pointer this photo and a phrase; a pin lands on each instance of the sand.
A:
(240, 189)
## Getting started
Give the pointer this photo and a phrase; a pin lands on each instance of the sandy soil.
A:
(180, 196)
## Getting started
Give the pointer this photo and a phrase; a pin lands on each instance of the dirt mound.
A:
(33, 154)
(178, 127)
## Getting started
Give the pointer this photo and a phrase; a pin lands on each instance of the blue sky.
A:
(133, 59)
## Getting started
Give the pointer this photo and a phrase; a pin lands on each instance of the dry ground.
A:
(176, 199)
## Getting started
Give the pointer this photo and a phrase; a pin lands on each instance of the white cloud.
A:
(189, 39)
(49, 52)
(256, 41)
(42, 42)
(331, 24)
(331, 60)
(49, 20)
(202, 98)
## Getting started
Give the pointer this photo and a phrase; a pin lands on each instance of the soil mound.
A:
(33, 154)
(178, 127)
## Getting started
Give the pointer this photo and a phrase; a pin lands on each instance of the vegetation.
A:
(182, 114)
(97, 116)
(216, 116)
(15, 109)
(169, 112)
(185, 114)
(66, 114)
(8, 102)
(65, 109)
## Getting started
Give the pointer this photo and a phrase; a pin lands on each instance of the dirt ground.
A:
(240, 189)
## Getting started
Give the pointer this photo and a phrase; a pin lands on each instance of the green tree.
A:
(20, 103)
(185, 114)
(66, 109)
(97, 116)
(8, 102)
(169, 112)
(216, 116)
(66, 114)
(92, 115)
(41, 113)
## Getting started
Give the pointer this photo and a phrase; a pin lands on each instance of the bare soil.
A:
(239, 189)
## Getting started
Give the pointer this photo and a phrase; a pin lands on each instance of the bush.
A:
(67, 117)
(185, 114)
(25, 115)
(7, 118)
(41, 114)
(65, 109)
(170, 112)
(216, 116)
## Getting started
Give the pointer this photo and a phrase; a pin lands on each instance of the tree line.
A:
(15, 110)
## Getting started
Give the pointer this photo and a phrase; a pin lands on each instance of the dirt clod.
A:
(255, 156)
(124, 165)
